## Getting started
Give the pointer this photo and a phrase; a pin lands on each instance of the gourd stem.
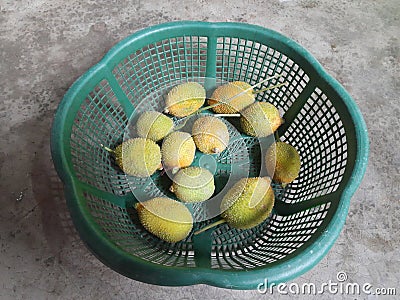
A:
(276, 135)
(227, 115)
(107, 149)
(270, 88)
(222, 221)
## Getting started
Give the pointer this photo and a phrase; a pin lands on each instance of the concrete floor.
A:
(45, 45)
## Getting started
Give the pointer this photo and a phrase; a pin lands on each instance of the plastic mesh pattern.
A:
(273, 240)
(100, 120)
(250, 61)
(319, 136)
(161, 63)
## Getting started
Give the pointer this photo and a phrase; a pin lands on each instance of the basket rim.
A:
(145, 271)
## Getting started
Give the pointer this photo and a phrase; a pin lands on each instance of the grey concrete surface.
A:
(45, 45)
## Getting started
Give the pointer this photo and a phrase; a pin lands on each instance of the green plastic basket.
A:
(321, 121)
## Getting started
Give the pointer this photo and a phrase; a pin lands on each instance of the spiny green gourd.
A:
(283, 162)
(210, 134)
(166, 218)
(185, 99)
(177, 150)
(153, 125)
(232, 97)
(247, 203)
(138, 157)
(193, 184)
(260, 119)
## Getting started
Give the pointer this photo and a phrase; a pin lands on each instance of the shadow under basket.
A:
(321, 121)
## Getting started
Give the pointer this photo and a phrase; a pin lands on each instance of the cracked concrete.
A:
(46, 45)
